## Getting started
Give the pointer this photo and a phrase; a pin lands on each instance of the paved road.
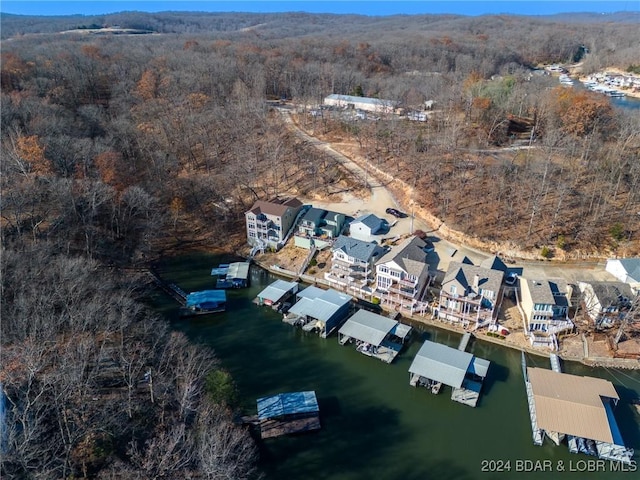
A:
(381, 198)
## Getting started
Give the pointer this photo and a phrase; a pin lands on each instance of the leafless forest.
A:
(116, 148)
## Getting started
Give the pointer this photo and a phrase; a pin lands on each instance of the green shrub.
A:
(220, 387)
(545, 252)
(561, 242)
(617, 231)
(375, 301)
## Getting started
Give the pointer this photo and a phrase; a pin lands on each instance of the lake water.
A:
(374, 424)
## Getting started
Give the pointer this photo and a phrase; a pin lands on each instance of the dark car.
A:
(396, 213)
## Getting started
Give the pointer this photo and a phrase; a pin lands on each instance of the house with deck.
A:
(470, 295)
(545, 304)
(319, 310)
(269, 222)
(366, 227)
(605, 303)
(374, 335)
(353, 264)
(402, 276)
(318, 228)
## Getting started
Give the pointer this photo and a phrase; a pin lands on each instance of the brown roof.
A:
(277, 207)
(571, 404)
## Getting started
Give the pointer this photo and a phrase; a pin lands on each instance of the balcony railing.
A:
(474, 300)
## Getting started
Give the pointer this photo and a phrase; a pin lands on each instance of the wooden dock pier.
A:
(170, 289)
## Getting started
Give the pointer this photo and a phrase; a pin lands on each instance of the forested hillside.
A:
(118, 147)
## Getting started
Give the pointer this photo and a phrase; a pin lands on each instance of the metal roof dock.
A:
(278, 291)
(232, 275)
(319, 309)
(286, 413)
(204, 302)
(576, 407)
(436, 364)
(374, 334)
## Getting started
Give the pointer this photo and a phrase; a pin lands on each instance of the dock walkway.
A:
(464, 341)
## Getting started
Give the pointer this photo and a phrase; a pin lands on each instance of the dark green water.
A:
(374, 425)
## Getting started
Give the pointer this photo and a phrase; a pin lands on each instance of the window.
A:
(453, 290)
(383, 269)
(252, 234)
(252, 226)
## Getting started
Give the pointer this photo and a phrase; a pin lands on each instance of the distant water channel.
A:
(374, 425)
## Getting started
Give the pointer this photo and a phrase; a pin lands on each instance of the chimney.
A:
(476, 282)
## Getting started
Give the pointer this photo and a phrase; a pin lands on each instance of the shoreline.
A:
(608, 362)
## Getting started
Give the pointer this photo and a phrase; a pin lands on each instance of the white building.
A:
(626, 270)
(375, 105)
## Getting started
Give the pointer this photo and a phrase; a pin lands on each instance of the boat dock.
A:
(204, 303)
(375, 335)
(286, 413)
(436, 365)
(577, 408)
(232, 275)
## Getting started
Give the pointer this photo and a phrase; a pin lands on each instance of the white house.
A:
(402, 276)
(365, 227)
(353, 263)
(626, 270)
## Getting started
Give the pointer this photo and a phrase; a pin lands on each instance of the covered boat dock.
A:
(319, 309)
(232, 275)
(277, 293)
(287, 413)
(204, 302)
(577, 408)
(375, 335)
(436, 364)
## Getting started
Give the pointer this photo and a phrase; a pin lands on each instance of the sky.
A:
(370, 7)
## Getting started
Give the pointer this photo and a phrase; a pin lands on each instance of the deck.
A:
(272, 427)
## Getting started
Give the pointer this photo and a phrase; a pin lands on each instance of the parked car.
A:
(396, 213)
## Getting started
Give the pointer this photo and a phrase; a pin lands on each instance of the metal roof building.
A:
(321, 309)
(276, 292)
(206, 301)
(572, 404)
(287, 404)
(372, 328)
(437, 364)
(286, 413)
(373, 333)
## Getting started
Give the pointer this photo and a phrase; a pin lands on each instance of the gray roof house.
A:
(366, 226)
(318, 227)
(545, 304)
(352, 264)
(402, 276)
(606, 302)
(470, 294)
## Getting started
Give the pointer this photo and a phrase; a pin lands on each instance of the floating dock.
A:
(375, 335)
(287, 413)
(232, 275)
(204, 303)
(436, 365)
(577, 408)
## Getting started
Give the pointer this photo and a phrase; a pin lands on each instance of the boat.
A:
(435, 387)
